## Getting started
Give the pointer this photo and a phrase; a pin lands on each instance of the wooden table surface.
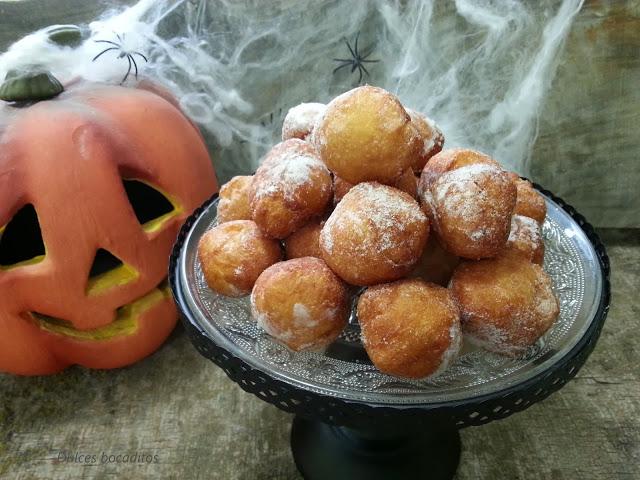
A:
(182, 413)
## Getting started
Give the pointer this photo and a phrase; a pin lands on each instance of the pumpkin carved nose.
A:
(108, 271)
(104, 262)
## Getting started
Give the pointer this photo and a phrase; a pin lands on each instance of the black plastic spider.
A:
(357, 59)
(123, 53)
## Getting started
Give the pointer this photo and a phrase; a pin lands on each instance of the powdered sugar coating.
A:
(448, 160)
(233, 255)
(301, 119)
(435, 140)
(457, 190)
(302, 317)
(491, 338)
(410, 328)
(458, 195)
(376, 233)
(301, 303)
(525, 228)
(291, 171)
(471, 208)
(290, 187)
(450, 354)
(506, 303)
(526, 238)
(431, 137)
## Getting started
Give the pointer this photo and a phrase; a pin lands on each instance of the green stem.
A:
(34, 85)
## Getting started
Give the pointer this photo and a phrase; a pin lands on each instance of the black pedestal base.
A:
(323, 451)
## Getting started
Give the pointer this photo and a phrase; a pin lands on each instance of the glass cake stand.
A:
(354, 422)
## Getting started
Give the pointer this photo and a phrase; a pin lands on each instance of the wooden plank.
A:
(588, 147)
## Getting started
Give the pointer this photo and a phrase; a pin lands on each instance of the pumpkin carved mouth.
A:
(125, 323)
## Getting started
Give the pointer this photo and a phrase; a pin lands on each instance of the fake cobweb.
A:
(480, 68)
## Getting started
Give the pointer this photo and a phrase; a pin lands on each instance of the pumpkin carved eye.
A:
(150, 205)
(21, 240)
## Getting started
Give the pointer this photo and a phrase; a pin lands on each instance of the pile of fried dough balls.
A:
(360, 193)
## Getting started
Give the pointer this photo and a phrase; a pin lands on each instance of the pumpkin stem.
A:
(29, 86)
(66, 35)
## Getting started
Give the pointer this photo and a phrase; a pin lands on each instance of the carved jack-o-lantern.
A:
(94, 185)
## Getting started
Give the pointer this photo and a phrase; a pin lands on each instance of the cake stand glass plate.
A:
(354, 422)
(343, 369)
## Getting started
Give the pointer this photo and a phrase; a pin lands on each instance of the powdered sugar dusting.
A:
(458, 194)
(301, 119)
(525, 229)
(430, 142)
(460, 179)
(302, 317)
(262, 319)
(527, 320)
(287, 173)
(435, 136)
(386, 204)
(451, 353)
(381, 210)
(547, 306)
(326, 236)
(526, 237)
(224, 203)
(492, 339)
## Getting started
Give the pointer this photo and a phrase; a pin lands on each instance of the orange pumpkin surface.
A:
(94, 186)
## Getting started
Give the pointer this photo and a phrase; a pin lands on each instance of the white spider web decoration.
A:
(480, 68)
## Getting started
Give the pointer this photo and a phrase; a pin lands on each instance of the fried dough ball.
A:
(366, 134)
(529, 202)
(436, 265)
(234, 254)
(506, 302)
(300, 120)
(526, 238)
(305, 242)
(301, 302)
(448, 160)
(375, 234)
(407, 182)
(340, 188)
(290, 187)
(471, 209)
(410, 328)
(431, 139)
(233, 201)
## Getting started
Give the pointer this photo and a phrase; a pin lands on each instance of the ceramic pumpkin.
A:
(94, 186)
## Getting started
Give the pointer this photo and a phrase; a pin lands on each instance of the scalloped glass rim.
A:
(570, 260)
